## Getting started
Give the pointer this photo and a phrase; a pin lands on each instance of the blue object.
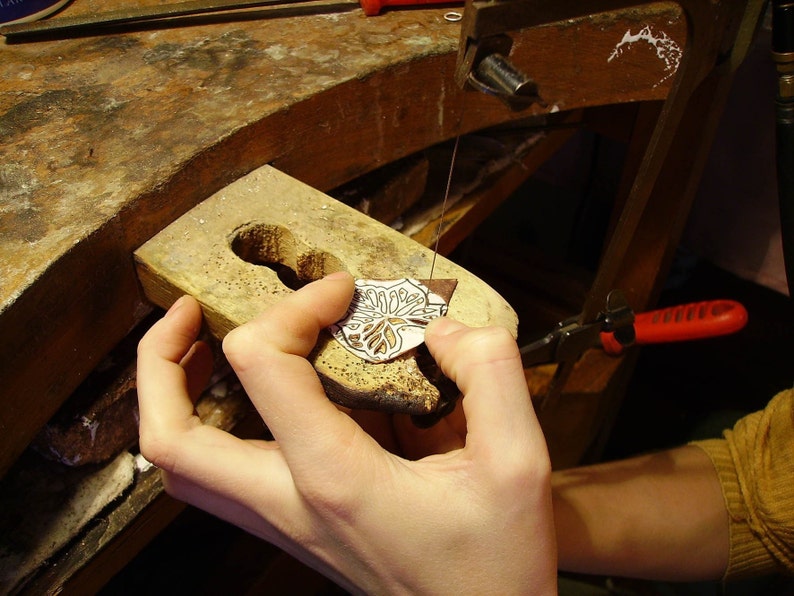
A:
(20, 11)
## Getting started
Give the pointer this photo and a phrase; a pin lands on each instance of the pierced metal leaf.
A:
(387, 318)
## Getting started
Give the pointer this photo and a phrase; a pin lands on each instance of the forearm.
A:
(660, 516)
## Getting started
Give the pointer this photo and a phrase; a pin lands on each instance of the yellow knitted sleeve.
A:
(755, 464)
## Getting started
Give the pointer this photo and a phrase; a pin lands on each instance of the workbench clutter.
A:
(83, 482)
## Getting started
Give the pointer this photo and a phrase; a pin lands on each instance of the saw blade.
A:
(446, 193)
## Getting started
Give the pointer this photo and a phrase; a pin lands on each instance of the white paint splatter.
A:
(667, 49)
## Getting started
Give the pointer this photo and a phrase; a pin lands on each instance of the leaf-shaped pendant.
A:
(386, 318)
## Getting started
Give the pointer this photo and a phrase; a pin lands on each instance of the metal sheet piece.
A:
(386, 318)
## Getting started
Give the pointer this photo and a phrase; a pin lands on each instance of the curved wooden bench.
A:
(105, 140)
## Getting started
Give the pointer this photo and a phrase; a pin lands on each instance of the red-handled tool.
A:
(697, 320)
(617, 327)
(92, 24)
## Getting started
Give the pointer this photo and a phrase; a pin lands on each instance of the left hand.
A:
(477, 518)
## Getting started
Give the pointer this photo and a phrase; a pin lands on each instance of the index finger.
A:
(269, 357)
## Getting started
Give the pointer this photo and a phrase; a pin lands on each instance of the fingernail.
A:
(337, 275)
(175, 306)
(443, 326)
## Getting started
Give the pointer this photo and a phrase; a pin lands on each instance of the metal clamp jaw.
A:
(572, 337)
(483, 57)
(487, 69)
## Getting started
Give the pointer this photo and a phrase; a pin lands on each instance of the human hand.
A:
(475, 519)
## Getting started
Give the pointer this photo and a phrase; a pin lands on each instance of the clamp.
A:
(572, 337)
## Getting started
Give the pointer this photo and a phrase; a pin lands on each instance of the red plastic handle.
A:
(373, 7)
(697, 320)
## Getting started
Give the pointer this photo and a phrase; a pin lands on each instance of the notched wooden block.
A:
(267, 234)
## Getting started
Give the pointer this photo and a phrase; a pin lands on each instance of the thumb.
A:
(485, 363)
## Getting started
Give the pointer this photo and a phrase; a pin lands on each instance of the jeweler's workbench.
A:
(105, 140)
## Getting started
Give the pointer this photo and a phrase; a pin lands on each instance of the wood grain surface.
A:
(104, 140)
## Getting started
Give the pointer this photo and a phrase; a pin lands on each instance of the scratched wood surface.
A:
(105, 140)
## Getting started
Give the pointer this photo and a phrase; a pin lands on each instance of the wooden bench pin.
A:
(266, 234)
